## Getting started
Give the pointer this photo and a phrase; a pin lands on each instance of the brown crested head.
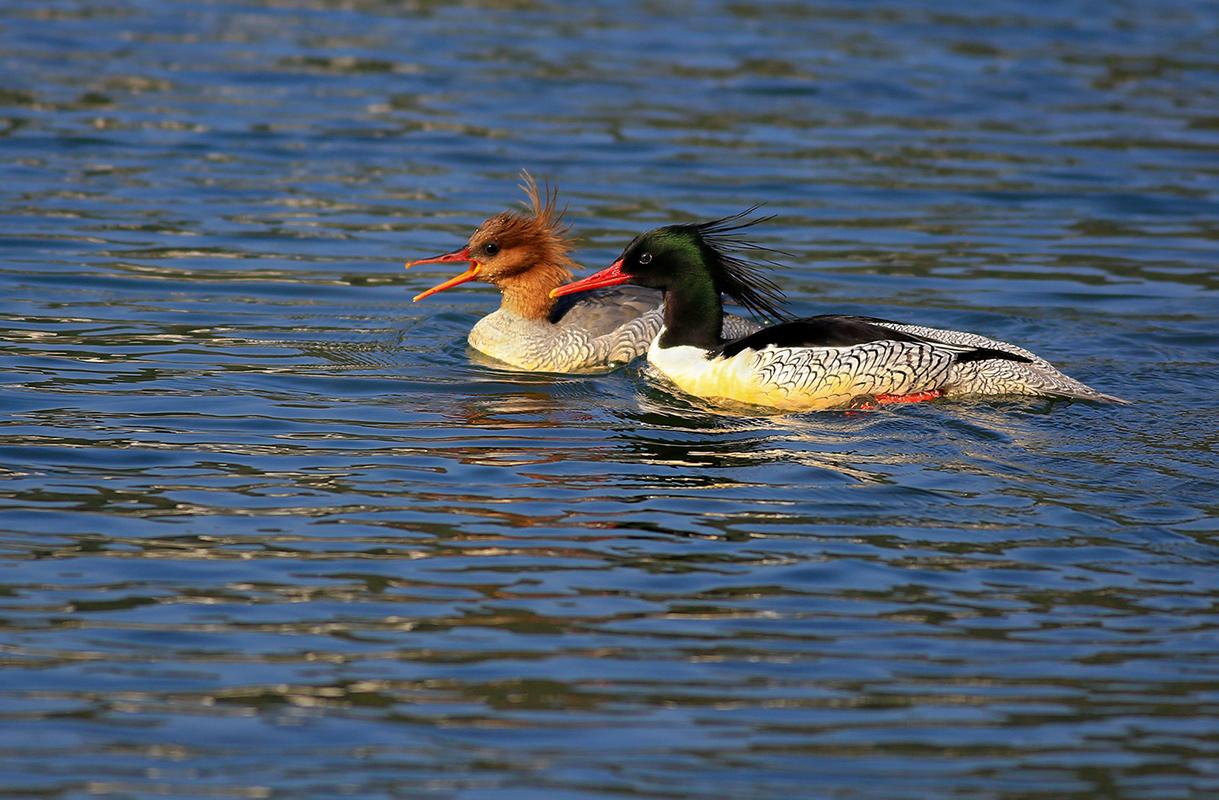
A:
(525, 253)
(512, 244)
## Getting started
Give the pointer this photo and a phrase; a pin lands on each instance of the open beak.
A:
(457, 255)
(610, 276)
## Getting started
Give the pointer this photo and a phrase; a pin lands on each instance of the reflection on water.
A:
(269, 529)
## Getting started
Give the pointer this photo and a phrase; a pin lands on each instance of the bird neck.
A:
(527, 293)
(694, 315)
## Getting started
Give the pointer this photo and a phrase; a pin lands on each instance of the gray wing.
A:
(611, 326)
(735, 327)
(603, 311)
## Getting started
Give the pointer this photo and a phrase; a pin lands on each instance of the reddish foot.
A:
(917, 397)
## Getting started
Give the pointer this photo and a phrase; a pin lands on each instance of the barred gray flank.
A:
(997, 377)
(840, 374)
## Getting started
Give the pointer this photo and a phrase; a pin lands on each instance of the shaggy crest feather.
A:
(736, 276)
(541, 225)
(544, 203)
(540, 228)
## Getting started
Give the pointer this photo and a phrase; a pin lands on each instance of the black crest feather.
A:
(740, 278)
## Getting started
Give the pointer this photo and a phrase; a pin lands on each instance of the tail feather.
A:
(1084, 392)
(992, 377)
(1046, 379)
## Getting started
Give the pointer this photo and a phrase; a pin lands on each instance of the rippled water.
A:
(270, 530)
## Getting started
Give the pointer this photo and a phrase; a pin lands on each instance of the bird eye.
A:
(645, 258)
(490, 248)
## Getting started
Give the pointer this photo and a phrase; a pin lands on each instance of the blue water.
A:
(267, 529)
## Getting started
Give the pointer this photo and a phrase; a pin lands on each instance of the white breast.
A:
(692, 371)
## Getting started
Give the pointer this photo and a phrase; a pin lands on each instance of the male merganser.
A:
(525, 255)
(811, 363)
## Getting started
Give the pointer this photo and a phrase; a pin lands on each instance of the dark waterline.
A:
(267, 529)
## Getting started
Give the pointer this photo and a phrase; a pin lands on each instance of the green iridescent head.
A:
(677, 256)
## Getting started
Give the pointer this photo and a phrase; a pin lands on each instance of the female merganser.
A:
(811, 363)
(525, 255)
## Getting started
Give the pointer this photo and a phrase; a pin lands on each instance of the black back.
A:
(836, 330)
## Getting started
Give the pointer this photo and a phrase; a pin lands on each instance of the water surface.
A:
(267, 529)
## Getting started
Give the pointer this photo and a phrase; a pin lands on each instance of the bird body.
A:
(797, 378)
(810, 363)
